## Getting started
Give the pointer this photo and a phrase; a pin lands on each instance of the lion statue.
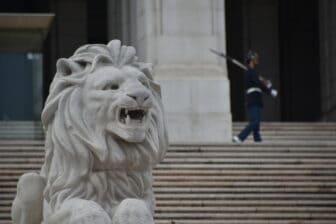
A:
(105, 130)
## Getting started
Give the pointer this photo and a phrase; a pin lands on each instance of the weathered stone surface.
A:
(105, 131)
(176, 36)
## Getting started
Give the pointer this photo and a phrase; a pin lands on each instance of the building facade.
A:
(296, 41)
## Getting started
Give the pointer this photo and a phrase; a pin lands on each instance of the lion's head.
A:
(103, 112)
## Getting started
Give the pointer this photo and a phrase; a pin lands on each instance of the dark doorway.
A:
(235, 48)
(97, 21)
(299, 50)
(253, 25)
(285, 33)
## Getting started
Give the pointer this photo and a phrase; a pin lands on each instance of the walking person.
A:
(254, 86)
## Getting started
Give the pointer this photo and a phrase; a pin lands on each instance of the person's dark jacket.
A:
(252, 81)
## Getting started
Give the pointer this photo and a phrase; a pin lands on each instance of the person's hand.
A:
(269, 84)
(266, 82)
(274, 93)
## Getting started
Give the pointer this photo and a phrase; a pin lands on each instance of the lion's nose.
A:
(139, 96)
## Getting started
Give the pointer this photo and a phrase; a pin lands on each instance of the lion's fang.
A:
(128, 119)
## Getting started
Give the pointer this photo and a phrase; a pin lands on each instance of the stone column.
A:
(175, 36)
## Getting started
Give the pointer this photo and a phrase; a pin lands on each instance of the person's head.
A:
(252, 58)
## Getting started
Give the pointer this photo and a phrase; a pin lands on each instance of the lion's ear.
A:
(147, 69)
(156, 87)
(67, 67)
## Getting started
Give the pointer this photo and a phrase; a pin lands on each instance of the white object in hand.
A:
(269, 84)
(274, 93)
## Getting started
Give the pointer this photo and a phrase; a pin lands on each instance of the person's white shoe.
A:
(236, 139)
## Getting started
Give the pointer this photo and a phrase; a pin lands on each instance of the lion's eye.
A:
(111, 87)
(114, 87)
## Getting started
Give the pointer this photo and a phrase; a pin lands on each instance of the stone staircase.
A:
(290, 178)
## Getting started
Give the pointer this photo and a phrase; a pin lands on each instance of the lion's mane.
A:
(71, 144)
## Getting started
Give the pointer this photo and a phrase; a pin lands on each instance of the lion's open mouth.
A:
(131, 117)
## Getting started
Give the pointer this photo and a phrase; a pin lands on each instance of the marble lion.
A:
(105, 131)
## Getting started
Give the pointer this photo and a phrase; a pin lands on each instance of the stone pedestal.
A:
(176, 36)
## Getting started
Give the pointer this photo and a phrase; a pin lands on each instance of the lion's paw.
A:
(78, 211)
(133, 211)
(27, 206)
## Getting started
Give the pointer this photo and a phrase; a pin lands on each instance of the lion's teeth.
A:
(128, 119)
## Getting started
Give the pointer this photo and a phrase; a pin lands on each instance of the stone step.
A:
(13, 154)
(292, 144)
(220, 178)
(269, 144)
(241, 203)
(290, 124)
(254, 147)
(176, 167)
(227, 221)
(235, 172)
(11, 146)
(22, 148)
(227, 154)
(253, 160)
(269, 123)
(192, 172)
(239, 183)
(202, 149)
(266, 138)
(8, 192)
(229, 209)
(217, 178)
(294, 124)
(270, 203)
(330, 186)
(219, 155)
(21, 142)
(34, 129)
(238, 196)
(171, 166)
(263, 128)
(192, 161)
(25, 154)
(230, 221)
(268, 132)
(244, 166)
(283, 180)
(239, 215)
(246, 196)
(265, 125)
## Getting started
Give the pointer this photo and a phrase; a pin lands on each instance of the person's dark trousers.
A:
(253, 125)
